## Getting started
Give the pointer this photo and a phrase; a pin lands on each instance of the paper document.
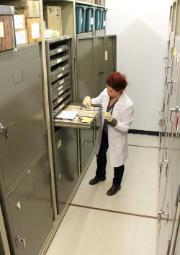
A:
(68, 115)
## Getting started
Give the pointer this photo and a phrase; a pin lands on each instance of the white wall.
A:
(142, 31)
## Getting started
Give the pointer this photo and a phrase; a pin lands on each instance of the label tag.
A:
(35, 30)
(1, 29)
(92, 21)
(59, 50)
(19, 21)
(59, 60)
(106, 55)
(21, 37)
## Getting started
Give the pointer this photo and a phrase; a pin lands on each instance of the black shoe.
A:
(113, 190)
(96, 179)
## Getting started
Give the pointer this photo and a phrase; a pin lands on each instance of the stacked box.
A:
(7, 41)
(33, 22)
(34, 30)
(100, 2)
(90, 1)
(54, 18)
(20, 30)
(32, 9)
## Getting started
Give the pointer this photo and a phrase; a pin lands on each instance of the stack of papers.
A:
(66, 115)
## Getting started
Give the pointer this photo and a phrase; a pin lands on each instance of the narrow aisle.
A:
(123, 224)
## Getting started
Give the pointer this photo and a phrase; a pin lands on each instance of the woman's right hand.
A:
(87, 102)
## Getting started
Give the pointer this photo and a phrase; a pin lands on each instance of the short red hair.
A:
(117, 81)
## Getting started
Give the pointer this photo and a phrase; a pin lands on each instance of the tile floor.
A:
(124, 224)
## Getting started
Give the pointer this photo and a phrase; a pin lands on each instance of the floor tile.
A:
(139, 187)
(86, 231)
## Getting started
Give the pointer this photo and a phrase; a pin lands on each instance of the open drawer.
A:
(76, 116)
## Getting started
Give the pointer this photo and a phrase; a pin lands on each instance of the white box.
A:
(19, 21)
(21, 37)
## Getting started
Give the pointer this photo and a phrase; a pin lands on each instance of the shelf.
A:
(90, 4)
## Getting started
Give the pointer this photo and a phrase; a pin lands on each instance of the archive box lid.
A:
(6, 10)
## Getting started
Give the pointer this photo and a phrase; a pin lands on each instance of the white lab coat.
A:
(118, 135)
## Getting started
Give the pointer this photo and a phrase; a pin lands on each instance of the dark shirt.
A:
(113, 123)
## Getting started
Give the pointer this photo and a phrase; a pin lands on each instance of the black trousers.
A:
(102, 161)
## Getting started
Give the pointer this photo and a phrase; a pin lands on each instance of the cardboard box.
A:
(54, 18)
(100, 2)
(32, 9)
(7, 40)
(90, 1)
(33, 29)
(19, 21)
(21, 37)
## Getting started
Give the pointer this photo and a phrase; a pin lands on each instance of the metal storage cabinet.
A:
(110, 54)
(106, 58)
(24, 169)
(66, 164)
(175, 241)
(64, 140)
(22, 126)
(100, 51)
(170, 146)
(58, 54)
(96, 59)
(86, 68)
(30, 210)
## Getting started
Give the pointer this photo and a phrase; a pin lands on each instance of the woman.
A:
(118, 116)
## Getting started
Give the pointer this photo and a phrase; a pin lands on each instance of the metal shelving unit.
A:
(53, 186)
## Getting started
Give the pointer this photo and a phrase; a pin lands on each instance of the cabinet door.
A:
(86, 147)
(165, 226)
(167, 213)
(66, 164)
(110, 54)
(101, 72)
(105, 47)
(30, 210)
(177, 244)
(22, 126)
(163, 178)
(96, 59)
(175, 241)
(86, 69)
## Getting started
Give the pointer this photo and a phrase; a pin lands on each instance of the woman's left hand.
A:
(108, 116)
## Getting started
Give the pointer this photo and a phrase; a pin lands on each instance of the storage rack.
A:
(59, 58)
(59, 67)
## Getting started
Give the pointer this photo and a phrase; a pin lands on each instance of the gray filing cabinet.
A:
(66, 164)
(106, 58)
(59, 65)
(22, 126)
(96, 59)
(30, 210)
(64, 141)
(86, 68)
(72, 139)
(24, 169)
